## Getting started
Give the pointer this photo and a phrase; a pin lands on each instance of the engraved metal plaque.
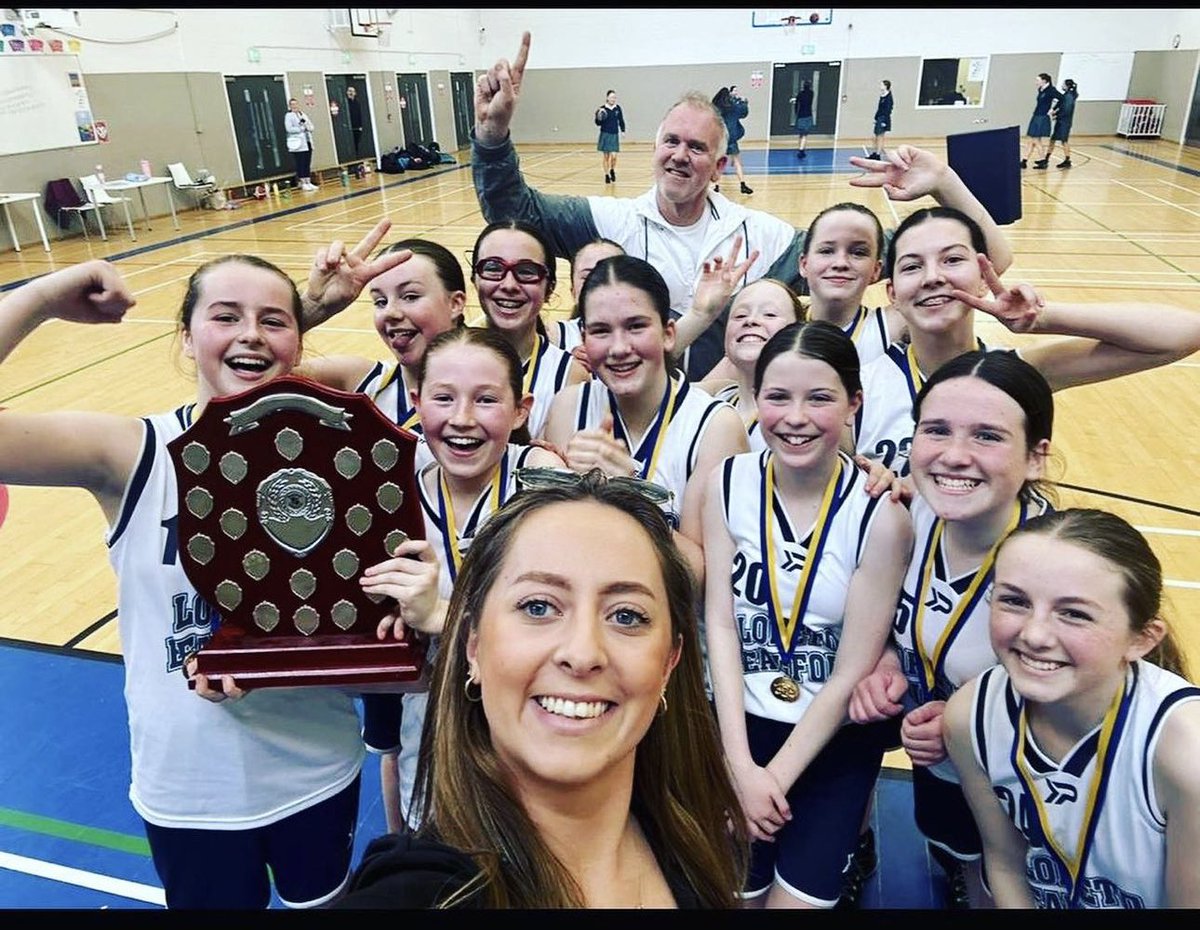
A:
(310, 487)
(233, 467)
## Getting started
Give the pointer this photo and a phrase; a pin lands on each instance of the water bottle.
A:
(345, 177)
(145, 166)
(100, 173)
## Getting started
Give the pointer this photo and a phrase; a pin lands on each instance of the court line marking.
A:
(1166, 531)
(76, 832)
(251, 221)
(1155, 197)
(1171, 583)
(69, 876)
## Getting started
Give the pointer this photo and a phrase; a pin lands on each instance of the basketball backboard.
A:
(791, 17)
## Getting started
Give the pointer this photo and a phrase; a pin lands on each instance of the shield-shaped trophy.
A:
(286, 493)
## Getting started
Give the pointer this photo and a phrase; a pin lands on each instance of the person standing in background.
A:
(883, 118)
(734, 109)
(299, 142)
(804, 117)
(611, 121)
(1039, 123)
(354, 112)
(1063, 113)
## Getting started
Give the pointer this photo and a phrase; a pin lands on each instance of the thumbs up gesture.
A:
(599, 448)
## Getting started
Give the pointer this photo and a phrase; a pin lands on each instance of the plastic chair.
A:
(62, 197)
(183, 182)
(101, 198)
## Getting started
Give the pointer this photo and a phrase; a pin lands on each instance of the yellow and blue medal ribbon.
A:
(450, 535)
(1110, 737)
(533, 363)
(932, 662)
(652, 443)
(784, 623)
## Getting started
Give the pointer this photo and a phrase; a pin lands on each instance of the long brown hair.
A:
(683, 796)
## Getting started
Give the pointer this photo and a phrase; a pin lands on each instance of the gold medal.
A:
(785, 689)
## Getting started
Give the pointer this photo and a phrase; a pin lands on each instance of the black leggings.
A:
(303, 161)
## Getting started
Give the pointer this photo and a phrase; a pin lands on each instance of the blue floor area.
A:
(64, 783)
(783, 160)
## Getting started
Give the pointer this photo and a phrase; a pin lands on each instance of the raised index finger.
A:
(368, 242)
(989, 275)
(518, 65)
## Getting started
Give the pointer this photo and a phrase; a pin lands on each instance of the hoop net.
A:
(789, 24)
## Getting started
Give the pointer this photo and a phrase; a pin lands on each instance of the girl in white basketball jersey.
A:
(984, 422)
(803, 573)
(760, 310)
(939, 275)
(1078, 752)
(413, 302)
(639, 416)
(468, 392)
(568, 334)
(843, 256)
(234, 794)
(513, 270)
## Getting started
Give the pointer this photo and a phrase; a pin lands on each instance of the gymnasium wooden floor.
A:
(1122, 225)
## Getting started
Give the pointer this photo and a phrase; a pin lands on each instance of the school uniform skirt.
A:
(1039, 127)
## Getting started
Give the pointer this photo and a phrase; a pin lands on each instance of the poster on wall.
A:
(43, 104)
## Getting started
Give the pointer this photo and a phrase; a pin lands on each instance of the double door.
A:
(825, 78)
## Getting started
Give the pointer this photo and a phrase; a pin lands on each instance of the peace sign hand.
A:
(1018, 307)
(718, 280)
(496, 94)
(905, 173)
(338, 274)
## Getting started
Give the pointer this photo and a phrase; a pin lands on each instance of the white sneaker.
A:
(308, 186)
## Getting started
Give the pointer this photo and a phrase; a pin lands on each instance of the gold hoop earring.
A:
(467, 688)
(662, 702)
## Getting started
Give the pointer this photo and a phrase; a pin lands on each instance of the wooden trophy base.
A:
(292, 662)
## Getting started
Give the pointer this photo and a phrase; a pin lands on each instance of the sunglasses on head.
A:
(526, 270)
(541, 479)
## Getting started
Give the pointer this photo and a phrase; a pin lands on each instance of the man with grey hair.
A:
(681, 223)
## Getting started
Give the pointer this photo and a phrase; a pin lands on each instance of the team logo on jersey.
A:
(1060, 792)
(287, 492)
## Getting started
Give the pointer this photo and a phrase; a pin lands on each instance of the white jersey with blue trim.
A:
(884, 425)
(469, 524)
(551, 365)
(869, 332)
(236, 765)
(968, 651)
(681, 446)
(384, 384)
(1126, 861)
(819, 631)
(754, 433)
(570, 333)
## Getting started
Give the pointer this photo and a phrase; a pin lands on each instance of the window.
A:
(952, 82)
